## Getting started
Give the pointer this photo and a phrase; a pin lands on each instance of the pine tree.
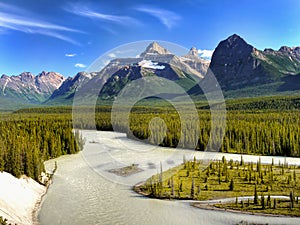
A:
(292, 199)
(263, 201)
(172, 186)
(193, 189)
(231, 185)
(269, 201)
(255, 196)
(242, 161)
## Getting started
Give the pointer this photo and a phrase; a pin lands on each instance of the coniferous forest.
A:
(27, 140)
(28, 137)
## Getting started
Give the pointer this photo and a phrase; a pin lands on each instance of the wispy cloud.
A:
(112, 55)
(80, 65)
(166, 17)
(206, 53)
(84, 11)
(13, 18)
(70, 55)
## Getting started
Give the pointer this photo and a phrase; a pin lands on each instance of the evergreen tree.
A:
(255, 196)
(269, 201)
(275, 204)
(292, 199)
(193, 189)
(263, 201)
(231, 185)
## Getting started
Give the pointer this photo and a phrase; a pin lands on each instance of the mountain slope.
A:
(240, 68)
(28, 89)
(119, 72)
(238, 65)
(145, 68)
(65, 93)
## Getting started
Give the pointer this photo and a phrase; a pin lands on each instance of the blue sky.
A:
(65, 36)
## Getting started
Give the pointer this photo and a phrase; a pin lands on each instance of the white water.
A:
(87, 194)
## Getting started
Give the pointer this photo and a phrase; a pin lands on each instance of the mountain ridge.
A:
(237, 65)
(28, 88)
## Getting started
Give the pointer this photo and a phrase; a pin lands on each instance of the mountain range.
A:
(241, 70)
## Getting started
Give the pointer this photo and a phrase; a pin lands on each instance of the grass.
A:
(200, 180)
(282, 207)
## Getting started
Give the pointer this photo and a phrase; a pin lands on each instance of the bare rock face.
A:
(67, 88)
(155, 60)
(196, 63)
(154, 49)
(29, 88)
(235, 65)
(193, 52)
(47, 82)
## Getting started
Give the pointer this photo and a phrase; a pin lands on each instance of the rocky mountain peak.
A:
(236, 42)
(293, 52)
(233, 63)
(43, 73)
(285, 49)
(4, 76)
(269, 50)
(193, 51)
(30, 88)
(50, 74)
(155, 49)
(26, 75)
(83, 75)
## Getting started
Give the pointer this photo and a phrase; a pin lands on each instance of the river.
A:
(84, 192)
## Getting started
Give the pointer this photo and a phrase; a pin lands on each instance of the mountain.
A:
(238, 65)
(27, 88)
(154, 49)
(241, 70)
(155, 61)
(146, 68)
(65, 93)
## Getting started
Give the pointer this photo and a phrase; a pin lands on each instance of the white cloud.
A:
(80, 65)
(166, 17)
(84, 11)
(70, 55)
(12, 18)
(112, 55)
(206, 53)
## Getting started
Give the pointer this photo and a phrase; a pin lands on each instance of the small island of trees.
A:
(200, 180)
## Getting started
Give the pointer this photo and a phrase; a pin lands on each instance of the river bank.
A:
(19, 198)
(211, 204)
(207, 206)
(105, 198)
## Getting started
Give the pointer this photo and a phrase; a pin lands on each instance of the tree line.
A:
(26, 141)
(247, 132)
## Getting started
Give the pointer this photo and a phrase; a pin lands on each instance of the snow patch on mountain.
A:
(151, 65)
